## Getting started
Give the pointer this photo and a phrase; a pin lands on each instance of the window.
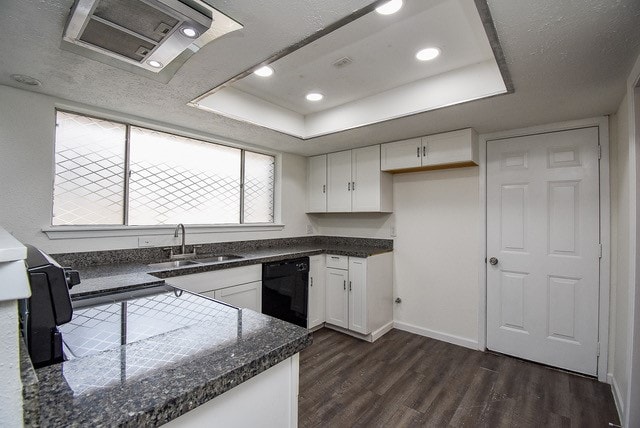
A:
(110, 173)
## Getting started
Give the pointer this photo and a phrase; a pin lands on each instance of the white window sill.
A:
(72, 232)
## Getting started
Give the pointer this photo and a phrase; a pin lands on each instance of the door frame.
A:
(605, 227)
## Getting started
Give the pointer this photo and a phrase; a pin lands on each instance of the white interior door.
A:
(543, 230)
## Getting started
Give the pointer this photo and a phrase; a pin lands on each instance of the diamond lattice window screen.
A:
(89, 171)
(259, 179)
(180, 180)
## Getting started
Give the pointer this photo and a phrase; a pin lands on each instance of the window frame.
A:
(125, 229)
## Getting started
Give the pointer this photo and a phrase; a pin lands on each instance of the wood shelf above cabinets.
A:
(348, 181)
(449, 150)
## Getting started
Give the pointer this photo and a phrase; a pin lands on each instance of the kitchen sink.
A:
(214, 259)
(174, 264)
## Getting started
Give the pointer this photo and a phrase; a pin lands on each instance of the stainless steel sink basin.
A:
(174, 264)
(214, 259)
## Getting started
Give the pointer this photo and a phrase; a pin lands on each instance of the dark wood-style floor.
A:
(405, 380)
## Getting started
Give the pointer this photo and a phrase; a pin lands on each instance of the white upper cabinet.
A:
(355, 182)
(448, 150)
(317, 184)
(339, 182)
(457, 147)
(368, 183)
(402, 154)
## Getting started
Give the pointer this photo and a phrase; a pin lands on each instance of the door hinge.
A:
(599, 151)
(598, 350)
(600, 251)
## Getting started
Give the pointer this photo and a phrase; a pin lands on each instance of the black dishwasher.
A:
(285, 290)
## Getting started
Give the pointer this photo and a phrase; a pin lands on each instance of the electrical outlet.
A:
(145, 242)
(392, 231)
(309, 229)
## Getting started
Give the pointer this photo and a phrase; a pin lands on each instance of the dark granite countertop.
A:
(124, 272)
(156, 379)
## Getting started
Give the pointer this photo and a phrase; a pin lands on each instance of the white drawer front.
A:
(337, 262)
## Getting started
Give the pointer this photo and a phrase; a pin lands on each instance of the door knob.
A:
(493, 261)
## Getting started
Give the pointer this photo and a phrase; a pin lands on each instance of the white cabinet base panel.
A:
(372, 337)
(268, 400)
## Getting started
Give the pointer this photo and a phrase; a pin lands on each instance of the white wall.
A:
(26, 176)
(436, 214)
(10, 386)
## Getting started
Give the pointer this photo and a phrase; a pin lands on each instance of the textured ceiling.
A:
(567, 60)
(382, 49)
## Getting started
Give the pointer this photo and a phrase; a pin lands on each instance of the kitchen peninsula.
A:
(210, 360)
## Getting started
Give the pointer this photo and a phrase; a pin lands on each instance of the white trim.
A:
(14, 283)
(382, 331)
(617, 397)
(438, 335)
(605, 225)
(633, 81)
(295, 388)
(72, 232)
(482, 272)
(10, 248)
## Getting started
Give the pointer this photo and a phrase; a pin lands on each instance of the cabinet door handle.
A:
(311, 281)
(335, 257)
(348, 186)
(418, 151)
(424, 151)
(324, 188)
(349, 285)
(353, 185)
(344, 284)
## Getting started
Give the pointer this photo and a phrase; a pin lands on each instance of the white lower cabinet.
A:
(240, 287)
(316, 304)
(360, 297)
(247, 296)
(337, 308)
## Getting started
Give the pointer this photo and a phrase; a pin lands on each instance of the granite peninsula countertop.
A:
(153, 380)
(121, 269)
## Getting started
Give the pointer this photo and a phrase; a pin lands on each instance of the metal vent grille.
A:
(344, 61)
(141, 32)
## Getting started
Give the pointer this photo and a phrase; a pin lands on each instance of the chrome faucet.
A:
(184, 235)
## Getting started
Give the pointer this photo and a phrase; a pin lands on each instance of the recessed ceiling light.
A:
(428, 54)
(189, 32)
(389, 7)
(264, 71)
(26, 80)
(155, 64)
(314, 96)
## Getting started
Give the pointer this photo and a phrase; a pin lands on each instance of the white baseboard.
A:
(382, 331)
(617, 397)
(445, 337)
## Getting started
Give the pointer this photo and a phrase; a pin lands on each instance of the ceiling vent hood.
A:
(148, 34)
